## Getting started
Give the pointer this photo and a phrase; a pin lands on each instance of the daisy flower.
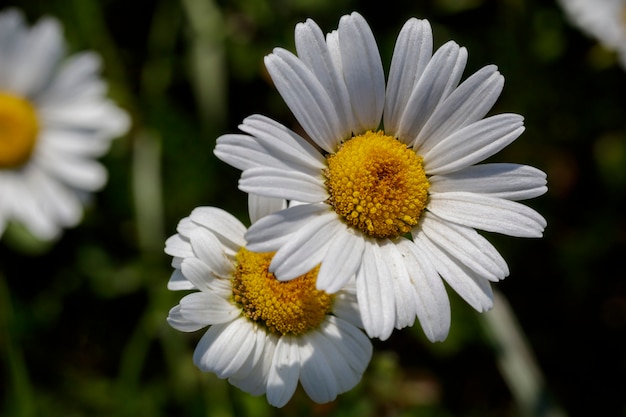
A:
(54, 120)
(604, 20)
(264, 335)
(397, 206)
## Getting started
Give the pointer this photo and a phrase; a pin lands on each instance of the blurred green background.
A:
(82, 322)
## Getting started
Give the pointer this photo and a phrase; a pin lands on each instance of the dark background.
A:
(82, 320)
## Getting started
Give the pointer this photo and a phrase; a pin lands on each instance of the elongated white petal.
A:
(178, 282)
(314, 52)
(197, 272)
(353, 345)
(209, 250)
(253, 375)
(362, 70)
(36, 56)
(306, 97)
(284, 372)
(466, 246)
(207, 308)
(432, 303)
(467, 104)
(224, 348)
(473, 144)
(345, 305)
(244, 152)
(283, 144)
(259, 206)
(226, 227)
(316, 374)
(278, 183)
(404, 291)
(375, 293)
(181, 323)
(411, 54)
(508, 181)
(441, 75)
(273, 231)
(476, 291)
(342, 259)
(488, 213)
(306, 248)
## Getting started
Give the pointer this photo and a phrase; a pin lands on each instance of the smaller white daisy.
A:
(265, 335)
(604, 20)
(54, 120)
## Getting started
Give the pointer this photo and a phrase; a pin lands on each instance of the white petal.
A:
(488, 213)
(210, 251)
(77, 78)
(224, 348)
(362, 70)
(252, 376)
(273, 231)
(404, 291)
(279, 183)
(259, 206)
(306, 248)
(178, 282)
(342, 259)
(432, 303)
(411, 54)
(284, 372)
(314, 52)
(207, 308)
(244, 152)
(180, 323)
(345, 305)
(284, 144)
(59, 201)
(473, 143)
(466, 246)
(467, 104)
(508, 181)
(81, 173)
(442, 74)
(198, 273)
(375, 293)
(38, 55)
(228, 229)
(316, 374)
(353, 345)
(306, 97)
(476, 291)
(177, 246)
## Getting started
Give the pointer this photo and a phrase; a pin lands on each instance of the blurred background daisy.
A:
(83, 328)
(54, 119)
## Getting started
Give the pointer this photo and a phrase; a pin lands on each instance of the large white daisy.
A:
(396, 206)
(54, 120)
(265, 335)
(604, 20)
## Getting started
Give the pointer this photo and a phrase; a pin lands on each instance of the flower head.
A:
(54, 119)
(394, 204)
(265, 335)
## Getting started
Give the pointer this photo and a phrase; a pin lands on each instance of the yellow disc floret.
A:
(18, 130)
(377, 184)
(289, 307)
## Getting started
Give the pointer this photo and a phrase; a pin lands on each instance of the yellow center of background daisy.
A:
(289, 307)
(377, 184)
(18, 130)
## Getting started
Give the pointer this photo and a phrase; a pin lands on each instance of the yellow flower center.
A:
(18, 130)
(377, 184)
(290, 307)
